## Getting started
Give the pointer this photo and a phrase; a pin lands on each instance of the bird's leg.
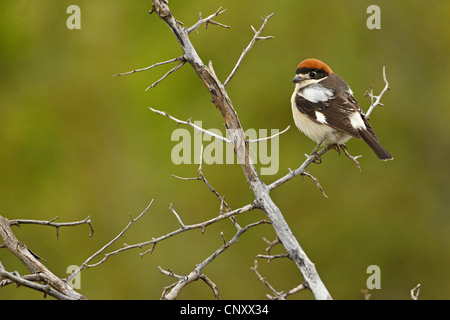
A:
(314, 153)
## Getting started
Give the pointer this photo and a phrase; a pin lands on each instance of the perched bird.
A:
(325, 110)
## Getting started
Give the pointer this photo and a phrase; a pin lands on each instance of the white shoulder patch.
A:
(316, 93)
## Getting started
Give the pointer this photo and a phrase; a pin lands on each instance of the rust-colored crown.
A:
(315, 64)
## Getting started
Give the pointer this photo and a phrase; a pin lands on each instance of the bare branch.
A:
(279, 295)
(177, 216)
(212, 134)
(255, 38)
(150, 67)
(32, 263)
(154, 241)
(208, 20)
(352, 158)
(415, 292)
(178, 66)
(271, 137)
(300, 170)
(189, 123)
(212, 285)
(45, 288)
(377, 98)
(87, 221)
(316, 182)
(366, 293)
(271, 257)
(196, 273)
(86, 263)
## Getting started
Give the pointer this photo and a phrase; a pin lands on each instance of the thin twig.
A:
(377, 98)
(178, 66)
(415, 292)
(212, 285)
(189, 123)
(271, 137)
(177, 216)
(316, 182)
(150, 67)
(208, 20)
(255, 38)
(271, 257)
(86, 263)
(279, 295)
(18, 222)
(292, 174)
(212, 134)
(352, 158)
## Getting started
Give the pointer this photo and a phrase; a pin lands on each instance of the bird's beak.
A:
(298, 78)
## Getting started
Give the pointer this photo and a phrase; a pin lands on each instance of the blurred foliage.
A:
(75, 141)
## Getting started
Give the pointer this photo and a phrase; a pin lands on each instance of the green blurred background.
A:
(76, 141)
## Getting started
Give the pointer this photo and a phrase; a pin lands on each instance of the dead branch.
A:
(208, 20)
(171, 292)
(279, 295)
(18, 222)
(316, 182)
(415, 292)
(150, 67)
(178, 66)
(86, 263)
(376, 102)
(32, 263)
(21, 281)
(154, 241)
(255, 38)
(212, 134)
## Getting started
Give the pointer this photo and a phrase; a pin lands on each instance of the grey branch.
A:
(279, 295)
(376, 102)
(171, 292)
(154, 241)
(86, 263)
(189, 123)
(415, 292)
(32, 263)
(178, 66)
(150, 67)
(212, 134)
(51, 223)
(208, 20)
(21, 281)
(255, 38)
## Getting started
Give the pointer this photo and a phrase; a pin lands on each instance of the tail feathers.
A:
(375, 145)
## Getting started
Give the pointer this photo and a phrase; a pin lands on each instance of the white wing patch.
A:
(316, 93)
(357, 121)
(320, 117)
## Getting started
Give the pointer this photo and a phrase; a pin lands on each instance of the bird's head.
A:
(311, 69)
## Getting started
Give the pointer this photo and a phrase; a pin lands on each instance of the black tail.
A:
(375, 145)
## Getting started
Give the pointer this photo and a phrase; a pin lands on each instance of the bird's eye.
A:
(312, 74)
